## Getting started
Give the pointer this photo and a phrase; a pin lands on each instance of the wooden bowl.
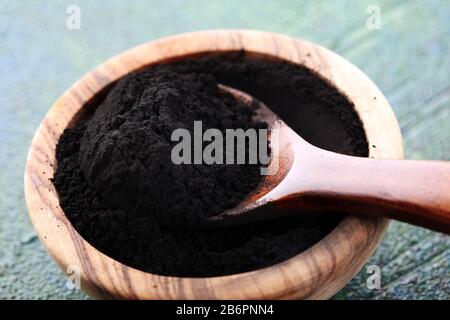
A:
(316, 273)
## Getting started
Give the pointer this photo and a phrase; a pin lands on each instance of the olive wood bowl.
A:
(317, 273)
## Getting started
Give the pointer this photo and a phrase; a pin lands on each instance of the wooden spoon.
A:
(311, 179)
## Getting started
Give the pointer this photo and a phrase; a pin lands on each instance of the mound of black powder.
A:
(116, 182)
(125, 151)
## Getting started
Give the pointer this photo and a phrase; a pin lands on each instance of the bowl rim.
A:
(316, 273)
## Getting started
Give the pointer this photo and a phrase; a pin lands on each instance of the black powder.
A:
(117, 185)
(125, 151)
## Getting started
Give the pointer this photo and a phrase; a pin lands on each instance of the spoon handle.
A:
(416, 192)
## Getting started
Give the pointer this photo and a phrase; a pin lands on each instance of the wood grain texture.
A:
(314, 274)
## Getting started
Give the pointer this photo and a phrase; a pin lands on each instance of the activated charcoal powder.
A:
(119, 188)
(125, 151)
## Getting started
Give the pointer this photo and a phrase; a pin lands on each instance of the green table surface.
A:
(408, 58)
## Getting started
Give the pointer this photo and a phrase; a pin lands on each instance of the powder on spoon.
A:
(127, 137)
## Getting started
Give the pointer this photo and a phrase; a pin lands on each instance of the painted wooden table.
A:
(407, 57)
